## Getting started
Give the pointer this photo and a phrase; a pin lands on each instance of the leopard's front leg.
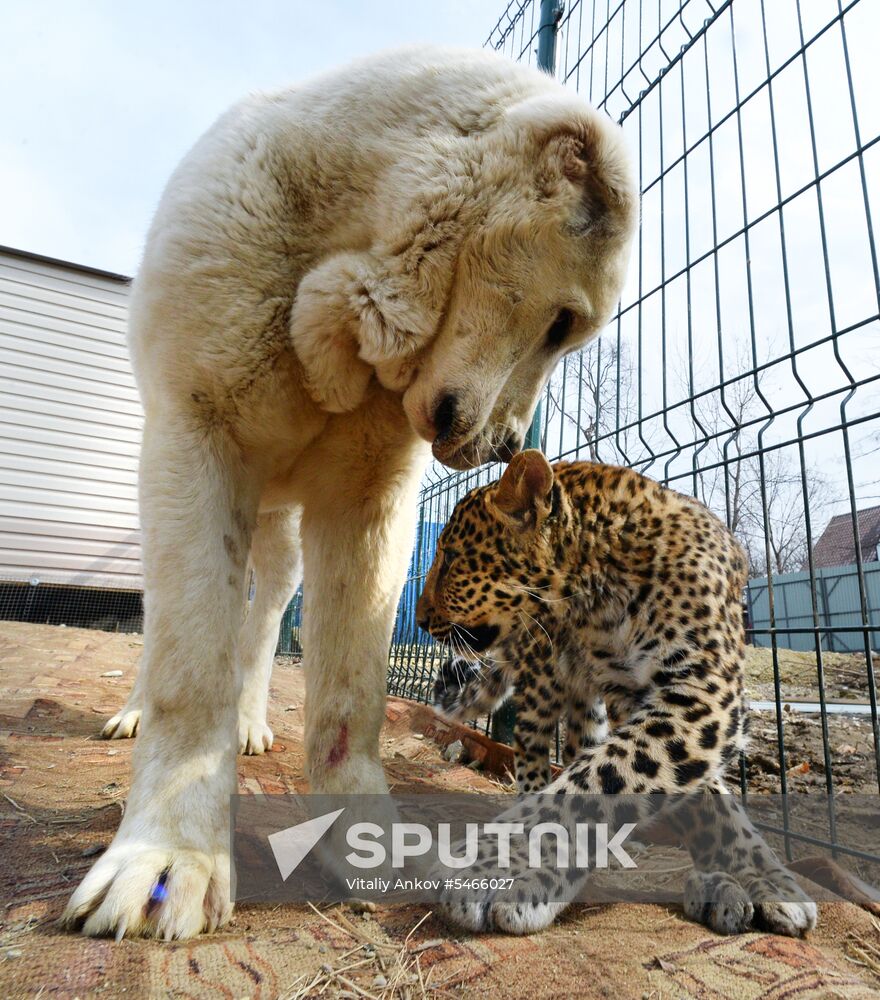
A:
(655, 752)
(737, 880)
(586, 726)
(465, 689)
(540, 894)
(538, 708)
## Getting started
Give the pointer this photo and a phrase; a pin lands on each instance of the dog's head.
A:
(498, 252)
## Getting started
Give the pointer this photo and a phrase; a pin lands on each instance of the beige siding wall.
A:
(70, 427)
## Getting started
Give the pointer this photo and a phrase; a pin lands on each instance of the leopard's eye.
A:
(560, 328)
(449, 557)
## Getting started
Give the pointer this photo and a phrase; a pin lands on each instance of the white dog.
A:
(393, 254)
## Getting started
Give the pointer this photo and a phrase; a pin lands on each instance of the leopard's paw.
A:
(734, 903)
(523, 917)
(453, 675)
(532, 902)
(508, 916)
(792, 918)
(718, 901)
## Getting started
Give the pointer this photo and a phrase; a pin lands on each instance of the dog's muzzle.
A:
(475, 452)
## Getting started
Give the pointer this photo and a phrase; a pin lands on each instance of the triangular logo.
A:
(290, 846)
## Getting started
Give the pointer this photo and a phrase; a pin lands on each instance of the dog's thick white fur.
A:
(394, 254)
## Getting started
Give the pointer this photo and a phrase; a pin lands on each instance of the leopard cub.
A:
(582, 587)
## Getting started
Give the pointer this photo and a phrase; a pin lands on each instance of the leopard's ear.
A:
(522, 493)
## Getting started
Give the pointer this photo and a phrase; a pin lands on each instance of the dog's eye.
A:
(560, 328)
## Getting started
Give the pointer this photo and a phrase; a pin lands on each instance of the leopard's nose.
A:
(422, 623)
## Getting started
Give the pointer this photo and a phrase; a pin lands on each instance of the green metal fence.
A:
(742, 364)
(836, 591)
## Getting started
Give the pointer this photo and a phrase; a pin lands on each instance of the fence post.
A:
(826, 635)
(504, 717)
(551, 15)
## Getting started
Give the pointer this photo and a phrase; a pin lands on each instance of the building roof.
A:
(836, 547)
(82, 268)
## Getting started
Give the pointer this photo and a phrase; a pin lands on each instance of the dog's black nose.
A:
(505, 451)
(444, 415)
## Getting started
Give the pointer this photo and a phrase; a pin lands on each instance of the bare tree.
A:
(593, 407)
(763, 493)
(787, 497)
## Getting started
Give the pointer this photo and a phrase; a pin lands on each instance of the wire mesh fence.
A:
(742, 366)
(53, 601)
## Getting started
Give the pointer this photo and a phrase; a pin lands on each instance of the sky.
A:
(100, 100)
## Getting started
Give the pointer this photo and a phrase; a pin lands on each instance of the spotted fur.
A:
(465, 690)
(583, 585)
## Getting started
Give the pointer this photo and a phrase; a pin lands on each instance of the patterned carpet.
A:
(63, 791)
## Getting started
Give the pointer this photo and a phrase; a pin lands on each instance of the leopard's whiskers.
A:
(532, 592)
(524, 615)
(462, 651)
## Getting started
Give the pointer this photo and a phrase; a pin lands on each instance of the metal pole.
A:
(551, 15)
(504, 718)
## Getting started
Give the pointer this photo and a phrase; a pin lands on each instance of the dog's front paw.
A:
(453, 676)
(135, 890)
(123, 725)
(254, 737)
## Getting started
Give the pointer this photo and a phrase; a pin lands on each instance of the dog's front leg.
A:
(357, 532)
(167, 871)
(277, 562)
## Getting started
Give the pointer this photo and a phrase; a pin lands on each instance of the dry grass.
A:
(846, 674)
(372, 969)
(863, 952)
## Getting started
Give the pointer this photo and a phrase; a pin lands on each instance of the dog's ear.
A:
(393, 321)
(349, 319)
(324, 328)
(522, 495)
(581, 147)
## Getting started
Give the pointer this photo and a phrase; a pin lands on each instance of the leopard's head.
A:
(495, 559)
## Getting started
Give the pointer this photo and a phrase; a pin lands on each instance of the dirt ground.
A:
(63, 791)
(851, 744)
(845, 674)
(850, 737)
